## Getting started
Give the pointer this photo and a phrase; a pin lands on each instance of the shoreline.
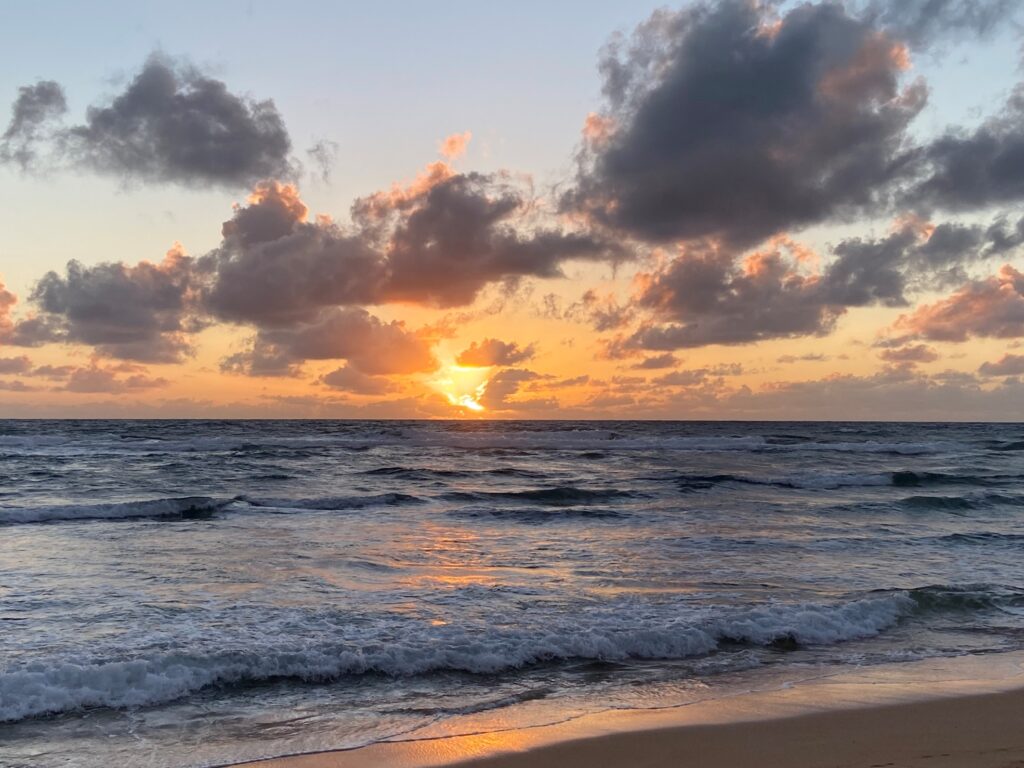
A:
(963, 712)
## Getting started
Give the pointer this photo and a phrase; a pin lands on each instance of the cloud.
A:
(7, 302)
(171, 124)
(694, 376)
(447, 238)
(1007, 365)
(369, 345)
(712, 294)
(275, 268)
(133, 313)
(810, 357)
(602, 313)
(438, 241)
(35, 106)
(706, 297)
(993, 307)
(348, 379)
(967, 170)
(918, 353)
(323, 154)
(454, 146)
(922, 22)
(654, 362)
(15, 364)
(505, 384)
(94, 379)
(495, 352)
(721, 121)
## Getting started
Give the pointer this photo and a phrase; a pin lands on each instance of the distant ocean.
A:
(191, 593)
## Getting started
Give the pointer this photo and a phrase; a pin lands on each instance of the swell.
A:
(832, 481)
(334, 503)
(414, 649)
(587, 440)
(537, 515)
(564, 495)
(182, 507)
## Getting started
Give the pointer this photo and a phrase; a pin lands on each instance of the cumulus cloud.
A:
(172, 123)
(368, 344)
(139, 312)
(712, 294)
(134, 313)
(495, 352)
(705, 297)
(274, 267)
(1007, 365)
(438, 241)
(721, 121)
(993, 307)
(451, 234)
(35, 106)
(966, 170)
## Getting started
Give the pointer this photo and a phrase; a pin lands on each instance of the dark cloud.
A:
(1007, 365)
(966, 170)
(438, 242)
(706, 297)
(276, 268)
(348, 379)
(134, 313)
(35, 106)
(720, 122)
(173, 124)
(368, 344)
(495, 352)
(449, 236)
(710, 294)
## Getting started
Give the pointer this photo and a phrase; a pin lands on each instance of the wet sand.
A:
(964, 713)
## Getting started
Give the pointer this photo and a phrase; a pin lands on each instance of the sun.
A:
(464, 386)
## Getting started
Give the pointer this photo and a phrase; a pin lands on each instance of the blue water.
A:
(182, 593)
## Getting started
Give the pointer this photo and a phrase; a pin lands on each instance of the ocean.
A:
(192, 593)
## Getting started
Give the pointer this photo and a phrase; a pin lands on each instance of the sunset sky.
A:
(721, 210)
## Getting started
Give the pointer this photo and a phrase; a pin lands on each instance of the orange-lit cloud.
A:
(993, 307)
(454, 146)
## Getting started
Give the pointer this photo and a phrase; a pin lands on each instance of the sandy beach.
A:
(925, 715)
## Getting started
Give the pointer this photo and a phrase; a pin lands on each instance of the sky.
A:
(715, 210)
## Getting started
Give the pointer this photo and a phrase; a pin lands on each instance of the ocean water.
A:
(180, 593)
